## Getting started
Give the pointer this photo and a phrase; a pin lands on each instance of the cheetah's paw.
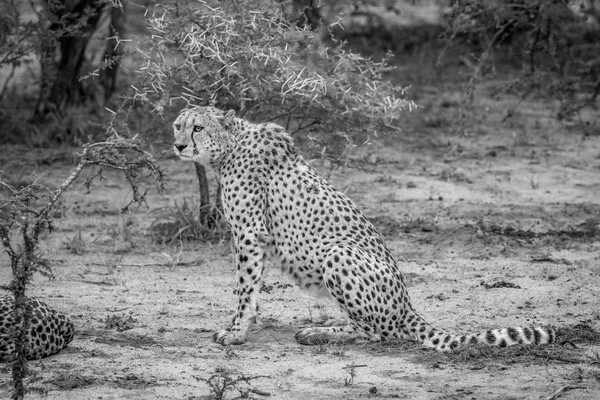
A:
(227, 337)
(336, 334)
(313, 336)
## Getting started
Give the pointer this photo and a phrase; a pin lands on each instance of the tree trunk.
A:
(207, 213)
(48, 68)
(73, 22)
(204, 207)
(19, 367)
(108, 75)
(22, 271)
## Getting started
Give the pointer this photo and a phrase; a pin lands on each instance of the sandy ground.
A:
(515, 201)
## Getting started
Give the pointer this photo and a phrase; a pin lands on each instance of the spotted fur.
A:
(49, 331)
(279, 208)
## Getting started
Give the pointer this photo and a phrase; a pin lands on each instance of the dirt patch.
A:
(69, 381)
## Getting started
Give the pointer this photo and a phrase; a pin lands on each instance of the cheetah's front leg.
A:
(249, 256)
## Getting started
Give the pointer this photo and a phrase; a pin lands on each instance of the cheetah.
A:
(280, 209)
(49, 331)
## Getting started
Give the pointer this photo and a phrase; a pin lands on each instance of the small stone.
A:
(426, 227)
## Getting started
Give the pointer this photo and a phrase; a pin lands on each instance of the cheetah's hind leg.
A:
(343, 283)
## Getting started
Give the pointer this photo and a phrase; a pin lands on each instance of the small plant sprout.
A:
(76, 244)
(224, 381)
(351, 373)
(113, 263)
(534, 181)
(120, 322)
(173, 259)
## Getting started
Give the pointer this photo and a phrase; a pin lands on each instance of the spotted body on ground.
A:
(49, 331)
(279, 208)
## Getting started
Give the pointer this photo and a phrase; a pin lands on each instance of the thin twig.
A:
(564, 389)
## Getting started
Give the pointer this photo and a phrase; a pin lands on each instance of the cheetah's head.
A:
(201, 133)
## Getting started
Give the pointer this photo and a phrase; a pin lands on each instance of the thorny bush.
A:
(247, 56)
(26, 214)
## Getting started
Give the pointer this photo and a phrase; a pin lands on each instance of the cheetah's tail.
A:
(503, 337)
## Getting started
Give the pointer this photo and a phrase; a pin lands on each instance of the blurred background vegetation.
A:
(334, 73)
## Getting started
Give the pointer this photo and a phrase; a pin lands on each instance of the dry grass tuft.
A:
(183, 222)
(522, 354)
(582, 332)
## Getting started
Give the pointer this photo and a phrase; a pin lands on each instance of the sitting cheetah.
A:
(49, 331)
(278, 207)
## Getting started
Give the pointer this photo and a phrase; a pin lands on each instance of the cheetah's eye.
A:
(198, 128)
(177, 126)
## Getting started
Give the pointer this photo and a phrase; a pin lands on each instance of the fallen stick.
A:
(563, 389)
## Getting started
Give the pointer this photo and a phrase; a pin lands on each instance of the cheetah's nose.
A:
(180, 147)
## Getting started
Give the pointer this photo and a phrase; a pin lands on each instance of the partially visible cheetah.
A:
(278, 207)
(49, 331)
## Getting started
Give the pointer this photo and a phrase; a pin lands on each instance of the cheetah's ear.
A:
(228, 119)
